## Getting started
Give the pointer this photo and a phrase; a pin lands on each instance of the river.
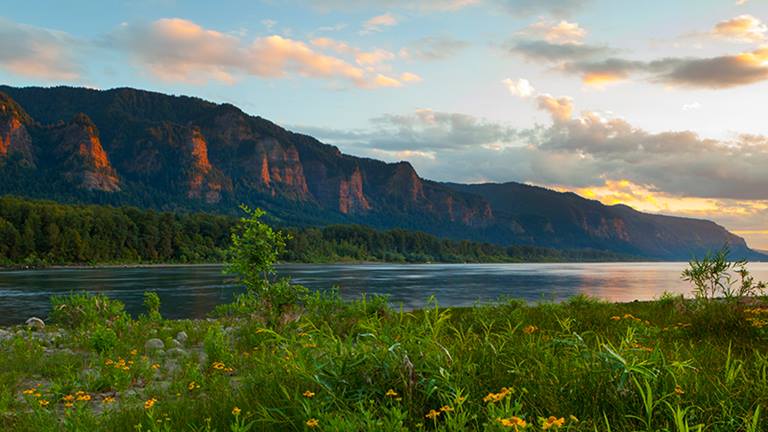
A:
(193, 291)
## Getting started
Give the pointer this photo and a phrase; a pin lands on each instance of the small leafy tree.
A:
(252, 256)
(714, 276)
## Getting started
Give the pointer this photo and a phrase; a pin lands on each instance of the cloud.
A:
(180, 50)
(519, 87)
(577, 151)
(743, 28)
(433, 48)
(691, 106)
(541, 50)
(39, 53)
(562, 32)
(710, 73)
(422, 5)
(535, 7)
(376, 23)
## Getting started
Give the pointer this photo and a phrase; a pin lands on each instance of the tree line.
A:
(39, 233)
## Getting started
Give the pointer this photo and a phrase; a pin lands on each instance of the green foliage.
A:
(152, 305)
(255, 249)
(103, 339)
(81, 310)
(581, 365)
(714, 276)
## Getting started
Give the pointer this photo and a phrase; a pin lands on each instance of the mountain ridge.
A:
(127, 146)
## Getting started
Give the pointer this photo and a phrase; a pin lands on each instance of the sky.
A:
(656, 104)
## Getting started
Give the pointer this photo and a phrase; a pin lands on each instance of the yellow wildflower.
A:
(193, 385)
(553, 421)
(155, 366)
(84, 397)
(149, 403)
(108, 400)
(218, 365)
(529, 329)
(68, 398)
(497, 397)
(432, 414)
(446, 408)
(29, 391)
(109, 362)
(312, 423)
(615, 318)
(391, 393)
(679, 390)
(37, 395)
(513, 422)
(43, 402)
(235, 411)
(134, 352)
(68, 405)
(309, 394)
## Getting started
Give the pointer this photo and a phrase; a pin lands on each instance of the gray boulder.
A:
(182, 337)
(35, 323)
(154, 344)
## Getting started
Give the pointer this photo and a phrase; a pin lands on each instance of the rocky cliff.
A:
(127, 146)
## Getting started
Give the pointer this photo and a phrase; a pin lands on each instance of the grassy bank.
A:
(325, 364)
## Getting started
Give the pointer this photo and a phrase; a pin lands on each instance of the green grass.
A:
(667, 365)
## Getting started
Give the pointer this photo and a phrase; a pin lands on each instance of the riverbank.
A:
(582, 365)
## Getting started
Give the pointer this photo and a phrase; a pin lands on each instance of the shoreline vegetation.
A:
(281, 358)
(37, 233)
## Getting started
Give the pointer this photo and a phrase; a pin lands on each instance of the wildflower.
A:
(109, 362)
(149, 403)
(37, 395)
(432, 414)
(43, 402)
(155, 366)
(235, 411)
(108, 400)
(68, 398)
(391, 393)
(615, 318)
(68, 405)
(309, 394)
(193, 385)
(460, 399)
(496, 397)
(446, 408)
(219, 365)
(134, 352)
(679, 390)
(29, 391)
(573, 418)
(84, 397)
(312, 423)
(513, 422)
(529, 329)
(553, 421)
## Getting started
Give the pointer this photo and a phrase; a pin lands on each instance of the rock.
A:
(176, 344)
(35, 323)
(5, 334)
(154, 344)
(176, 352)
(182, 337)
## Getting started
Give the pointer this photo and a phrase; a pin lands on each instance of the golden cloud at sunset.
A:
(175, 49)
(743, 28)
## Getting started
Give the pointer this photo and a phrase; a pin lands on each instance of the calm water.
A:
(193, 291)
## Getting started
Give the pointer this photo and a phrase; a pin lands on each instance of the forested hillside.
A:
(39, 233)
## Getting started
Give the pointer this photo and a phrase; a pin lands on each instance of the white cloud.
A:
(520, 87)
(39, 53)
(378, 22)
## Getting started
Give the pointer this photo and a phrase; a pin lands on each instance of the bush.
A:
(103, 339)
(152, 305)
(714, 276)
(77, 310)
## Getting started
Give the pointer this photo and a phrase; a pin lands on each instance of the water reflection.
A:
(193, 291)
